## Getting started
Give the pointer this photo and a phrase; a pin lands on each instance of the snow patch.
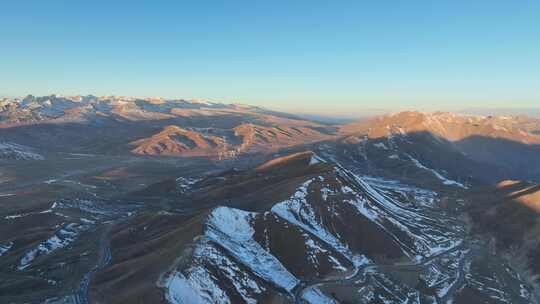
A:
(380, 146)
(62, 238)
(443, 179)
(16, 216)
(9, 150)
(315, 159)
(180, 291)
(184, 184)
(231, 229)
(5, 248)
(298, 212)
(315, 296)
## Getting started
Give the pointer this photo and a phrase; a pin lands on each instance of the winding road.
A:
(81, 295)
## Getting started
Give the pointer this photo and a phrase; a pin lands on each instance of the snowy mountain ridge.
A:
(249, 256)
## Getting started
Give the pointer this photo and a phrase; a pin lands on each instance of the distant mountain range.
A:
(151, 126)
(510, 111)
(188, 128)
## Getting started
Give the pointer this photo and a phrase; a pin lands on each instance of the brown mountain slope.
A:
(245, 138)
(173, 140)
(257, 137)
(510, 214)
(527, 194)
(450, 126)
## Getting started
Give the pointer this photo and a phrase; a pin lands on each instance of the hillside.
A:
(510, 215)
(498, 147)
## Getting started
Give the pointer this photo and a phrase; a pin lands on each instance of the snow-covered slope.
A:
(9, 150)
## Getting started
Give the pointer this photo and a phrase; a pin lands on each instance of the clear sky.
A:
(313, 56)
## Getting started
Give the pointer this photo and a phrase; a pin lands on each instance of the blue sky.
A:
(311, 56)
